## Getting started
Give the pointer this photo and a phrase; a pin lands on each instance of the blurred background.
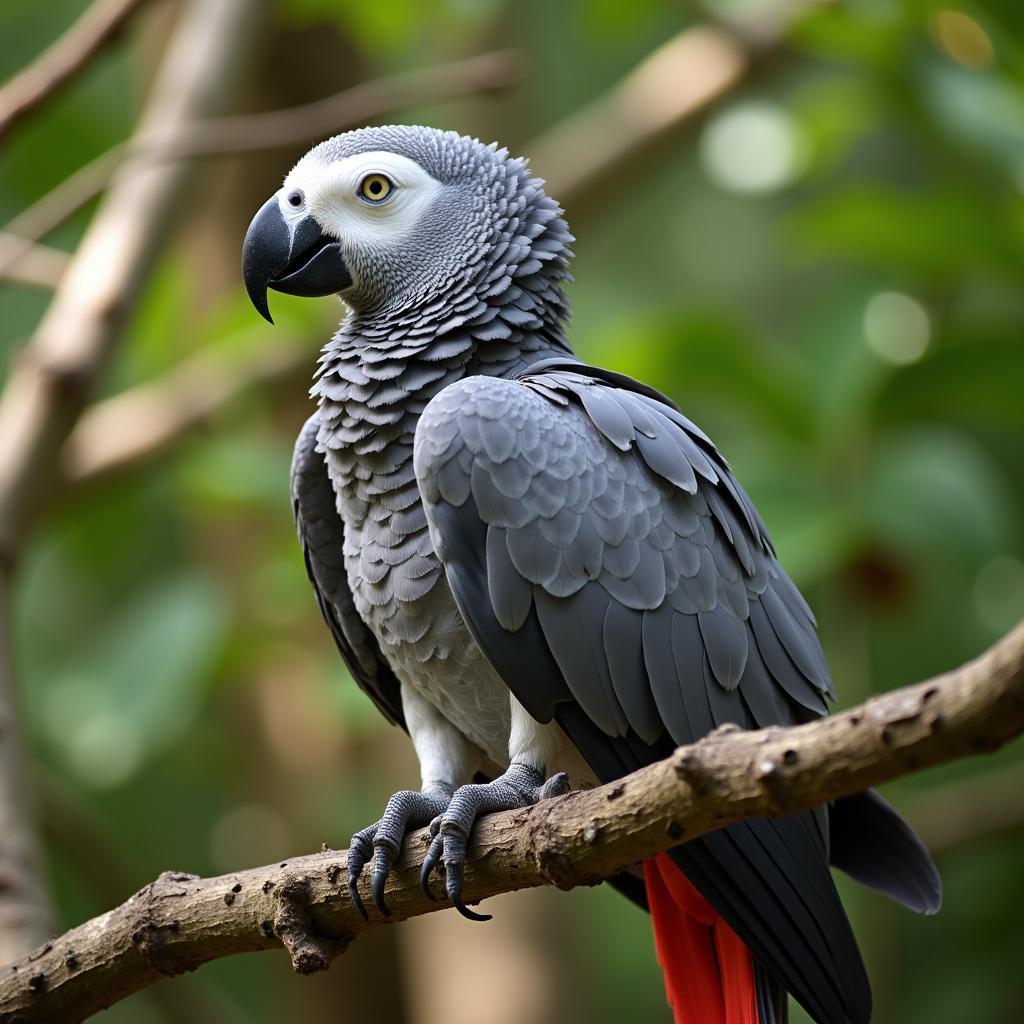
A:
(806, 225)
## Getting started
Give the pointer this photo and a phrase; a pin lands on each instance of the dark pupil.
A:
(376, 187)
(295, 198)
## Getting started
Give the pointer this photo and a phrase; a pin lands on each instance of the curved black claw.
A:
(386, 855)
(434, 852)
(359, 853)
(453, 883)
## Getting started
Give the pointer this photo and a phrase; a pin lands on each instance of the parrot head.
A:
(392, 217)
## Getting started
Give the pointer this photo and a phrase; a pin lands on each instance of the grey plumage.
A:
(480, 512)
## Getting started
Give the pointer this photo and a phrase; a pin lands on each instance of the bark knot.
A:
(309, 951)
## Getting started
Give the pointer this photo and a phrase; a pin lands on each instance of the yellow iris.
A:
(376, 187)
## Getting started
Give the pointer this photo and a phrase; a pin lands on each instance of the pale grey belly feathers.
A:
(400, 592)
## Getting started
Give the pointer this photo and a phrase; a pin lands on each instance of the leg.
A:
(446, 759)
(532, 746)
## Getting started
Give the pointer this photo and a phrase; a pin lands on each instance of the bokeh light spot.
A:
(754, 147)
(104, 750)
(896, 327)
(959, 36)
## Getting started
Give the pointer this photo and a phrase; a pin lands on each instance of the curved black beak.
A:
(298, 259)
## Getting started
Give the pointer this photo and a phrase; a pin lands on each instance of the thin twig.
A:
(355, 107)
(60, 203)
(667, 90)
(119, 435)
(181, 921)
(350, 108)
(100, 25)
(38, 265)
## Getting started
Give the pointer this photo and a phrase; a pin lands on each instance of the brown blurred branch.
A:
(52, 378)
(350, 108)
(667, 90)
(353, 108)
(25, 918)
(130, 430)
(181, 921)
(55, 207)
(60, 62)
(38, 265)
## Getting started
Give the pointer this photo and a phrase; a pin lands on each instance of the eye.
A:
(296, 197)
(375, 188)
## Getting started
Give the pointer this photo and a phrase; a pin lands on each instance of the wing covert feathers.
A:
(321, 534)
(614, 521)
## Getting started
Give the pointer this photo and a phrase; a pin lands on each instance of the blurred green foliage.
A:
(826, 273)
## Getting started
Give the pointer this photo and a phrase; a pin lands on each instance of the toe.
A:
(385, 858)
(434, 854)
(359, 852)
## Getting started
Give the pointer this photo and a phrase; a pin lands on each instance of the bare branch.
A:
(351, 108)
(25, 918)
(52, 378)
(59, 63)
(355, 107)
(38, 265)
(55, 207)
(181, 921)
(678, 81)
(130, 430)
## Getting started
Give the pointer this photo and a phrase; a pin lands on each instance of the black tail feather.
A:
(875, 846)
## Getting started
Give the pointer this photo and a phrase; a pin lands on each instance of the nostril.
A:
(296, 197)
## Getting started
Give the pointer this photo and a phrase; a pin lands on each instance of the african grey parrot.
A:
(537, 566)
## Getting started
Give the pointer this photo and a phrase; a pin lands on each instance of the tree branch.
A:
(50, 381)
(181, 921)
(355, 107)
(668, 89)
(130, 430)
(59, 63)
(40, 266)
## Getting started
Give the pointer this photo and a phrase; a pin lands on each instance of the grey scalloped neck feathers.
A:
(492, 305)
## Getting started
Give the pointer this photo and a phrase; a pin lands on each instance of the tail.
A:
(710, 975)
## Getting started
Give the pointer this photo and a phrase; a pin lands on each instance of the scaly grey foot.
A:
(406, 810)
(520, 786)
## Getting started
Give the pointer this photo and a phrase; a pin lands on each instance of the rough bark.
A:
(181, 921)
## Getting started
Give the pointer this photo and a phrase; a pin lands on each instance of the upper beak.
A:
(297, 259)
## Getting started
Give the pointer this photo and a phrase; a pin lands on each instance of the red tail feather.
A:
(709, 973)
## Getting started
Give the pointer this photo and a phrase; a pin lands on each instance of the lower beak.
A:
(297, 259)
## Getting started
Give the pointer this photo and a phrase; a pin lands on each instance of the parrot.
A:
(545, 573)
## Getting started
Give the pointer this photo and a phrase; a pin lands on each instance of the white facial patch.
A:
(331, 192)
